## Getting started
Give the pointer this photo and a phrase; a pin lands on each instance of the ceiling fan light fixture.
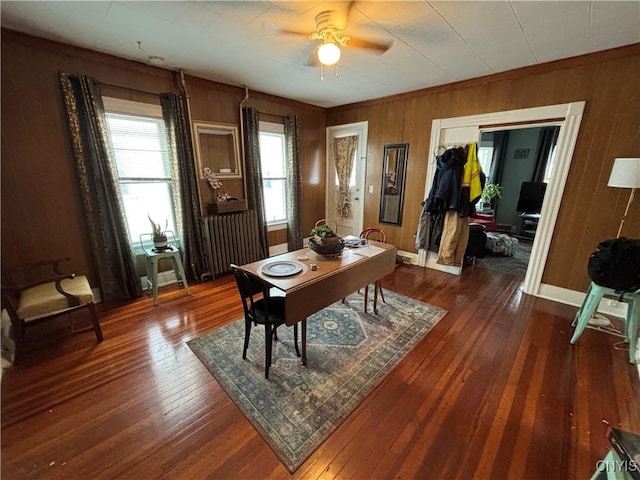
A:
(329, 53)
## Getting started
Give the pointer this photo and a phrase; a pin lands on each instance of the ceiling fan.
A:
(333, 38)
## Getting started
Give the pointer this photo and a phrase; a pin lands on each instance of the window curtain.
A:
(500, 142)
(106, 224)
(343, 149)
(187, 204)
(255, 197)
(546, 141)
(294, 188)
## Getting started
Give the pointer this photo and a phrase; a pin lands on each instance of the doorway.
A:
(345, 203)
(568, 117)
(520, 162)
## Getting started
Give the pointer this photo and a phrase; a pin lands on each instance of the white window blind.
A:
(143, 163)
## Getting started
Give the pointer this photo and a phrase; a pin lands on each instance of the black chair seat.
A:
(260, 308)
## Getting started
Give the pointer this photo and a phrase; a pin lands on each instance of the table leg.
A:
(149, 285)
(304, 343)
(179, 269)
(375, 298)
(154, 276)
(366, 297)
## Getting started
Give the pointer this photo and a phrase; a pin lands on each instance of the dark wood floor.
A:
(495, 391)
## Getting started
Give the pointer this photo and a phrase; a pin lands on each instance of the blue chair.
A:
(590, 305)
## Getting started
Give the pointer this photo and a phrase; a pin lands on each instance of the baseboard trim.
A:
(572, 297)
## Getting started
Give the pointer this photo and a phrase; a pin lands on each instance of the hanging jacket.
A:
(445, 191)
(471, 185)
(443, 196)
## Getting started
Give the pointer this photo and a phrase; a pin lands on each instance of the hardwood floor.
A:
(495, 391)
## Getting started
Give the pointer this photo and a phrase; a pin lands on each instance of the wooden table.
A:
(310, 291)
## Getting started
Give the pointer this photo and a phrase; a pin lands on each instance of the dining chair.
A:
(38, 292)
(261, 308)
(379, 235)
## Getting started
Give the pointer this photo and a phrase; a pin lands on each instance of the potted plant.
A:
(159, 234)
(491, 191)
(324, 234)
(324, 240)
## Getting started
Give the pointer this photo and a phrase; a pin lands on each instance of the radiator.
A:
(231, 238)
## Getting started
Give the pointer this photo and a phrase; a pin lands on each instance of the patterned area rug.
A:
(349, 353)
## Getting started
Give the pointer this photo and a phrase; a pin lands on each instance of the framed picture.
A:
(521, 153)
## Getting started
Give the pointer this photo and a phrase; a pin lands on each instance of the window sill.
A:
(272, 227)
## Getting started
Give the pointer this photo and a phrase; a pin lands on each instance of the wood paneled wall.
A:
(590, 211)
(42, 214)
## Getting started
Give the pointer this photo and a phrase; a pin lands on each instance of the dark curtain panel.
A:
(500, 142)
(187, 205)
(99, 188)
(294, 188)
(255, 197)
(546, 141)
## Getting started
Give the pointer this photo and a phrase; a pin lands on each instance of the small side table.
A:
(152, 258)
(528, 224)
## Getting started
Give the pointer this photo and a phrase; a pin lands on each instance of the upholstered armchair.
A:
(39, 292)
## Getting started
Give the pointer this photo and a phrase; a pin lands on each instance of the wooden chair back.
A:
(374, 234)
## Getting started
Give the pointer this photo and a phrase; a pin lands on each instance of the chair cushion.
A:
(276, 309)
(43, 300)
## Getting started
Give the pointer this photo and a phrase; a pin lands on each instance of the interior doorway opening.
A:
(568, 117)
(520, 162)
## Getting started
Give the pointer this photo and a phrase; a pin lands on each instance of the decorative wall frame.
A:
(216, 146)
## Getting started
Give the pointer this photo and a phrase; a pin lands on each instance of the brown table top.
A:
(326, 266)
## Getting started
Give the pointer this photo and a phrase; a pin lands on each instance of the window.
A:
(485, 155)
(139, 142)
(274, 171)
(548, 171)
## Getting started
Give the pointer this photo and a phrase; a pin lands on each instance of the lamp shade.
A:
(329, 53)
(625, 173)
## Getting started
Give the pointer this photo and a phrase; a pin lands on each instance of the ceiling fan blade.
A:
(313, 61)
(348, 12)
(361, 43)
(296, 33)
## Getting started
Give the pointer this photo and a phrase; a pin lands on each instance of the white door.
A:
(349, 214)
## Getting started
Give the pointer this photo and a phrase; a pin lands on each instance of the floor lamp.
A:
(625, 174)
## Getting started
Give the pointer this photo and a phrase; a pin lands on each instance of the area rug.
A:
(516, 265)
(349, 354)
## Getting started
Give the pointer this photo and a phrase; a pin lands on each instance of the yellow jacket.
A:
(471, 174)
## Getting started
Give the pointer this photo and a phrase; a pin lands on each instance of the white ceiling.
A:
(239, 42)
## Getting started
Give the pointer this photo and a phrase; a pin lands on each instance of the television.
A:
(531, 197)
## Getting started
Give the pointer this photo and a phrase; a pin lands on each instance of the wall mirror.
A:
(393, 175)
(217, 147)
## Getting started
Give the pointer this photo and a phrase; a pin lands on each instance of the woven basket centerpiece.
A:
(324, 240)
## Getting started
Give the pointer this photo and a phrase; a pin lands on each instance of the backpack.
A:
(616, 264)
